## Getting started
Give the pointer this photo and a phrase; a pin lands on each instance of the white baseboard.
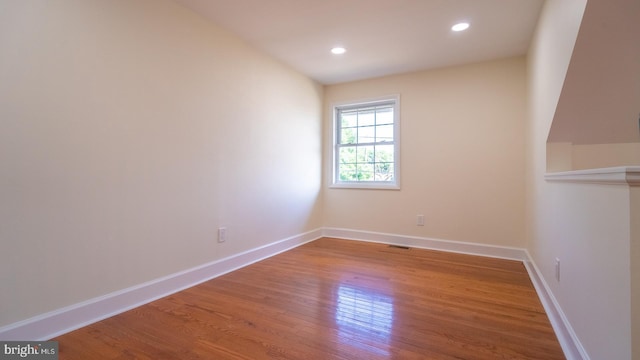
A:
(571, 346)
(573, 349)
(58, 322)
(502, 252)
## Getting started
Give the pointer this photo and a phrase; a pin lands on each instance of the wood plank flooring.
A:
(337, 299)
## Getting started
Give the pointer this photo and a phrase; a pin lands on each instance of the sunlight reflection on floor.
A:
(364, 317)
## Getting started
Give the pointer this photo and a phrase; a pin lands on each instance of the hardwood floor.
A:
(337, 299)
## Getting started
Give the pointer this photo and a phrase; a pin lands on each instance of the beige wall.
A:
(605, 155)
(129, 132)
(585, 226)
(600, 98)
(567, 156)
(462, 145)
(598, 107)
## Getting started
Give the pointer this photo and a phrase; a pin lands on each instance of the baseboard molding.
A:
(573, 349)
(571, 346)
(58, 322)
(502, 252)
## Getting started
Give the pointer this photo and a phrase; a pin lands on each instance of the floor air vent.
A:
(400, 247)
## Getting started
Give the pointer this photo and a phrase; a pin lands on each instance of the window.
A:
(366, 145)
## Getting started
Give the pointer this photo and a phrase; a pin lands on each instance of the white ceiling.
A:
(382, 37)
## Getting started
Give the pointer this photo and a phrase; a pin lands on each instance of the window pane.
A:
(348, 119)
(365, 154)
(384, 133)
(348, 136)
(384, 153)
(347, 172)
(347, 155)
(365, 172)
(366, 134)
(384, 116)
(384, 172)
(366, 118)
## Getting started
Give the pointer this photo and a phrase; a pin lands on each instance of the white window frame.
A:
(385, 185)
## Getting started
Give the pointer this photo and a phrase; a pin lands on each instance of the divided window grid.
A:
(366, 143)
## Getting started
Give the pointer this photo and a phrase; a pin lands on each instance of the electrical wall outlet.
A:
(222, 234)
(557, 269)
(420, 220)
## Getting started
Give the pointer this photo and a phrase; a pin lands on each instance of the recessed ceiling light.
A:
(460, 26)
(338, 50)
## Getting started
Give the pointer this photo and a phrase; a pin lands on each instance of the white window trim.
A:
(381, 185)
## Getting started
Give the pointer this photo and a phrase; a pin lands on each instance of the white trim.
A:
(571, 346)
(623, 175)
(494, 251)
(573, 349)
(58, 322)
(371, 185)
(381, 185)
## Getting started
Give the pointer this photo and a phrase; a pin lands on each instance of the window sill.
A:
(365, 186)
